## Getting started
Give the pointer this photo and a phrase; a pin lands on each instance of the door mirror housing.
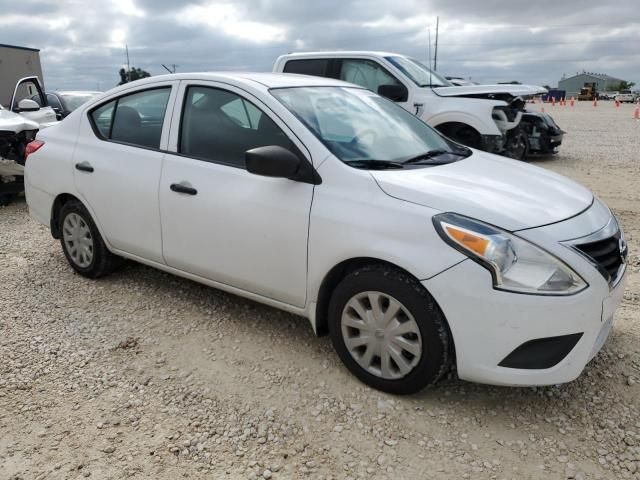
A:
(272, 161)
(28, 105)
(277, 161)
(397, 93)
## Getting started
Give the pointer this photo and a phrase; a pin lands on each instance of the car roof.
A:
(251, 79)
(76, 92)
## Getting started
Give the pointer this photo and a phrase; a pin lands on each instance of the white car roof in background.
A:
(341, 53)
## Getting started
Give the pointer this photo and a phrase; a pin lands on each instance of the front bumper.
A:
(489, 325)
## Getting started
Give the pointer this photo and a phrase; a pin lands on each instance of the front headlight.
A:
(516, 265)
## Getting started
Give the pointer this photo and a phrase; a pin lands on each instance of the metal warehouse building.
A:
(16, 63)
(572, 85)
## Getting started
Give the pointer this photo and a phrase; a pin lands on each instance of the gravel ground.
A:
(146, 375)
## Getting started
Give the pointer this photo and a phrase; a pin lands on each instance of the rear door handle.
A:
(180, 188)
(84, 167)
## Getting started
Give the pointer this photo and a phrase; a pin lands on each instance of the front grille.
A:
(607, 255)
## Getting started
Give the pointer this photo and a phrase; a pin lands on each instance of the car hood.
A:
(514, 90)
(12, 122)
(503, 192)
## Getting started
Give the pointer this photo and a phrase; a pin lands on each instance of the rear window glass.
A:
(135, 119)
(316, 67)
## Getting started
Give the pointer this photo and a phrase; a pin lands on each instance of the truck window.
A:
(366, 73)
(315, 67)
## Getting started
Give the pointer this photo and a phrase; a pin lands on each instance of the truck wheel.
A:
(388, 330)
(517, 146)
(461, 133)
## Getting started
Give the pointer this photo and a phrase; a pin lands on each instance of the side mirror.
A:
(397, 93)
(272, 161)
(28, 105)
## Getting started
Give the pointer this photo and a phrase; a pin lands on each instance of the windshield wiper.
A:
(427, 156)
(375, 164)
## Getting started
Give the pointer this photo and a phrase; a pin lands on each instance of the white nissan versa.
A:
(326, 200)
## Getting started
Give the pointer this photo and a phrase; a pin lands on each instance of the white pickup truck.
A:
(488, 117)
(18, 126)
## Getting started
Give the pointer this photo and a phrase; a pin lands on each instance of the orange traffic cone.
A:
(617, 103)
(553, 101)
(573, 101)
(564, 102)
(595, 102)
(636, 112)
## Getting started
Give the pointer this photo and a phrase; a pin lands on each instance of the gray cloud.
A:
(495, 40)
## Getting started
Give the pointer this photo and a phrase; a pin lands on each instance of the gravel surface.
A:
(146, 375)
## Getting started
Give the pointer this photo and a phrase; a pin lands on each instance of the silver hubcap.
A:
(78, 240)
(381, 335)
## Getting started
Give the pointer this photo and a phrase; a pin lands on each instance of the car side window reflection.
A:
(220, 126)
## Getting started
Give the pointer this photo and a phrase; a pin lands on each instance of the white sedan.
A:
(328, 201)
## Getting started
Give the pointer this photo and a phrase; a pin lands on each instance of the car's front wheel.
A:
(82, 243)
(388, 330)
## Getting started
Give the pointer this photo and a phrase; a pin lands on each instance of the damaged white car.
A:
(487, 117)
(18, 126)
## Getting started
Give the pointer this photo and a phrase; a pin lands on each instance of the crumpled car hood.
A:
(13, 122)
(514, 90)
(503, 192)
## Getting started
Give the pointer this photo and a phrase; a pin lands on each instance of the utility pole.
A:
(128, 65)
(435, 58)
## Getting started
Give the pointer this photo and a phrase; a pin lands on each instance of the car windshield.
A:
(73, 101)
(357, 125)
(418, 73)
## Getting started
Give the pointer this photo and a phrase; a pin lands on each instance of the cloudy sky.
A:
(82, 42)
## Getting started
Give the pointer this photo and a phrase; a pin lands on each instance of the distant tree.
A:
(616, 87)
(512, 82)
(547, 87)
(132, 75)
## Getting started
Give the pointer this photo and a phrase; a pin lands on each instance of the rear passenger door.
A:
(117, 164)
(221, 222)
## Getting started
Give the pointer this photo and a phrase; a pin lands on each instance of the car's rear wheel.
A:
(388, 330)
(82, 243)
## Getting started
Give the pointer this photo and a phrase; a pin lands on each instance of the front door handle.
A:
(84, 167)
(180, 188)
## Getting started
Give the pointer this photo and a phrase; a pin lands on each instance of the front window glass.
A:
(367, 74)
(220, 126)
(418, 73)
(358, 125)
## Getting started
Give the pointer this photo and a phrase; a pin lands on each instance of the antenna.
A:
(430, 72)
(435, 57)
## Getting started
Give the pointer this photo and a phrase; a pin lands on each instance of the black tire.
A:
(6, 199)
(517, 144)
(437, 352)
(461, 133)
(103, 262)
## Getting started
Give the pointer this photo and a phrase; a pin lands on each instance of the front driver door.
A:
(221, 222)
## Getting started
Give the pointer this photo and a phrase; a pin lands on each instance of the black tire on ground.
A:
(517, 144)
(437, 346)
(6, 199)
(103, 261)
